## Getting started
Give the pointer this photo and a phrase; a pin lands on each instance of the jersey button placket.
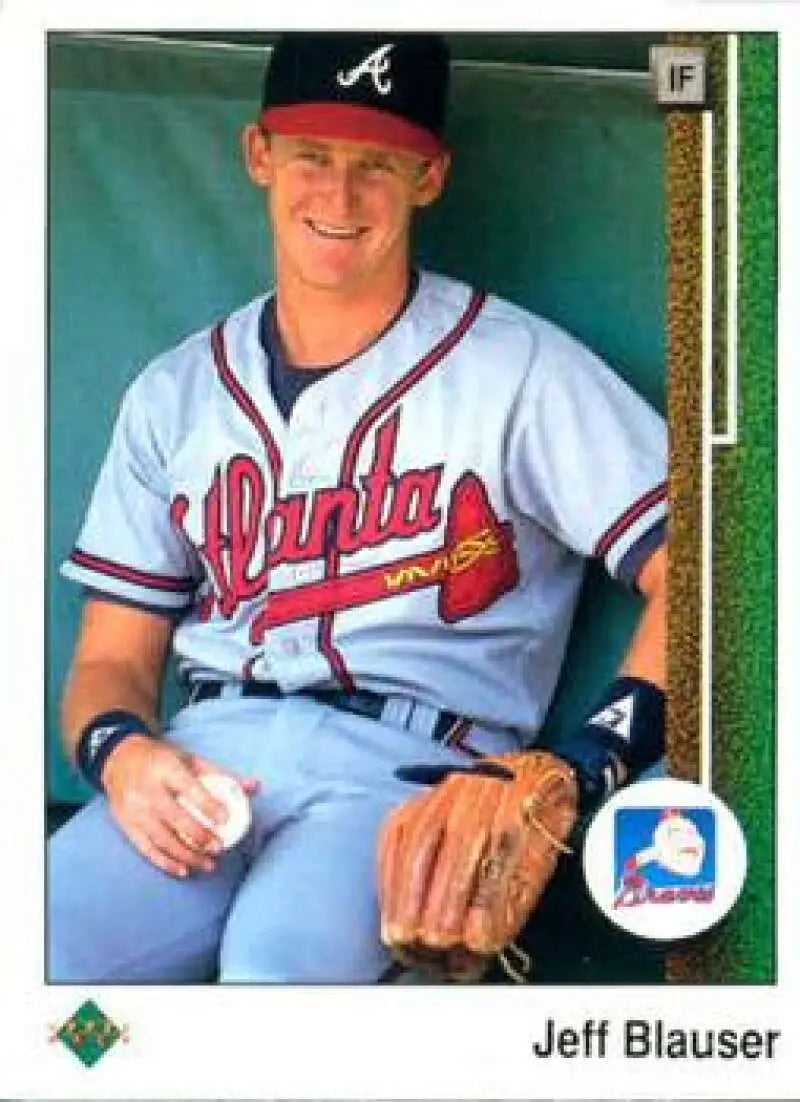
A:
(292, 646)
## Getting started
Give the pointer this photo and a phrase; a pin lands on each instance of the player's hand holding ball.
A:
(179, 810)
(237, 808)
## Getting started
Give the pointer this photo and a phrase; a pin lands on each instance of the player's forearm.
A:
(623, 734)
(119, 663)
(647, 654)
(96, 687)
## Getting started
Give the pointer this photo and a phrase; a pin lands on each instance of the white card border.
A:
(410, 1042)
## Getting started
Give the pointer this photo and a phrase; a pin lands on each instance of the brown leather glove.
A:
(462, 866)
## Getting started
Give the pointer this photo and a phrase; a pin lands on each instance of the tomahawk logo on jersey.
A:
(418, 526)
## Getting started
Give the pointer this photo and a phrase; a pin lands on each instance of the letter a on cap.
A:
(376, 65)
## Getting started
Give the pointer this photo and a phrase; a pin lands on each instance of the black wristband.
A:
(623, 736)
(100, 736)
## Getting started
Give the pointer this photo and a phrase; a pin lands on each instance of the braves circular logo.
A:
(665, 859)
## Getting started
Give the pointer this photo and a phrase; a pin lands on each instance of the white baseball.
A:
(231, 793)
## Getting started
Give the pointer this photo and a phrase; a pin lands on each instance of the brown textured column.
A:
(684, 204)
(686, 964)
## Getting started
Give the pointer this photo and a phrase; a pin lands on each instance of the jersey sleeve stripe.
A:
(170, 613)
(631, 562)
(628, 519)
(130, 574)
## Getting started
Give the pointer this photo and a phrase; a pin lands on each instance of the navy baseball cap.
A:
(381, 87)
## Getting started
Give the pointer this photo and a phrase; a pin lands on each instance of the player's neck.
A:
(321, 326)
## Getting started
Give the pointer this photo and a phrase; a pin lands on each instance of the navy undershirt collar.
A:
(286, 381)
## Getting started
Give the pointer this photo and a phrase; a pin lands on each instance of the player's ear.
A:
(257, 151)
(431, 180)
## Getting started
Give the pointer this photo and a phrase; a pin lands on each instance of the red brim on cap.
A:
(351, 122)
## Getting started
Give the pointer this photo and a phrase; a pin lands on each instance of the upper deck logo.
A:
(664, 856)
(89, 1033)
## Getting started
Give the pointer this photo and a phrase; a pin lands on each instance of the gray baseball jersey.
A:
(419, 526)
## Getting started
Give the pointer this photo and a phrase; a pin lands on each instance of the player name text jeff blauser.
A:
(637, 1038)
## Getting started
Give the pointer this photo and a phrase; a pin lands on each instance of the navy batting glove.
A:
(623, 735)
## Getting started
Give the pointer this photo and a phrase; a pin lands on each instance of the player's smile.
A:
(328, 251)
(335, 233)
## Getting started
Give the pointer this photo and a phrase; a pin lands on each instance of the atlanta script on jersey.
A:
(419, 525)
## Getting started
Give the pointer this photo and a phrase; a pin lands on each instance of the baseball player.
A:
(357, 511)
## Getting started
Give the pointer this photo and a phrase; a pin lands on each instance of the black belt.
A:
(361, 703)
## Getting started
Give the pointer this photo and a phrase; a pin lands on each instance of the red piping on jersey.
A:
(245, 402)
(135, 577)
(353, 446)
(628, 518)
(250, 410)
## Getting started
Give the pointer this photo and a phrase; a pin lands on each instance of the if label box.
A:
(679, 75)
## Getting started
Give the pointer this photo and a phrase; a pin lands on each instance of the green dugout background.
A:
(556, 201)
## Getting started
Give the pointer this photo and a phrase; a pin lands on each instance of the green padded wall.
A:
(556, 201)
